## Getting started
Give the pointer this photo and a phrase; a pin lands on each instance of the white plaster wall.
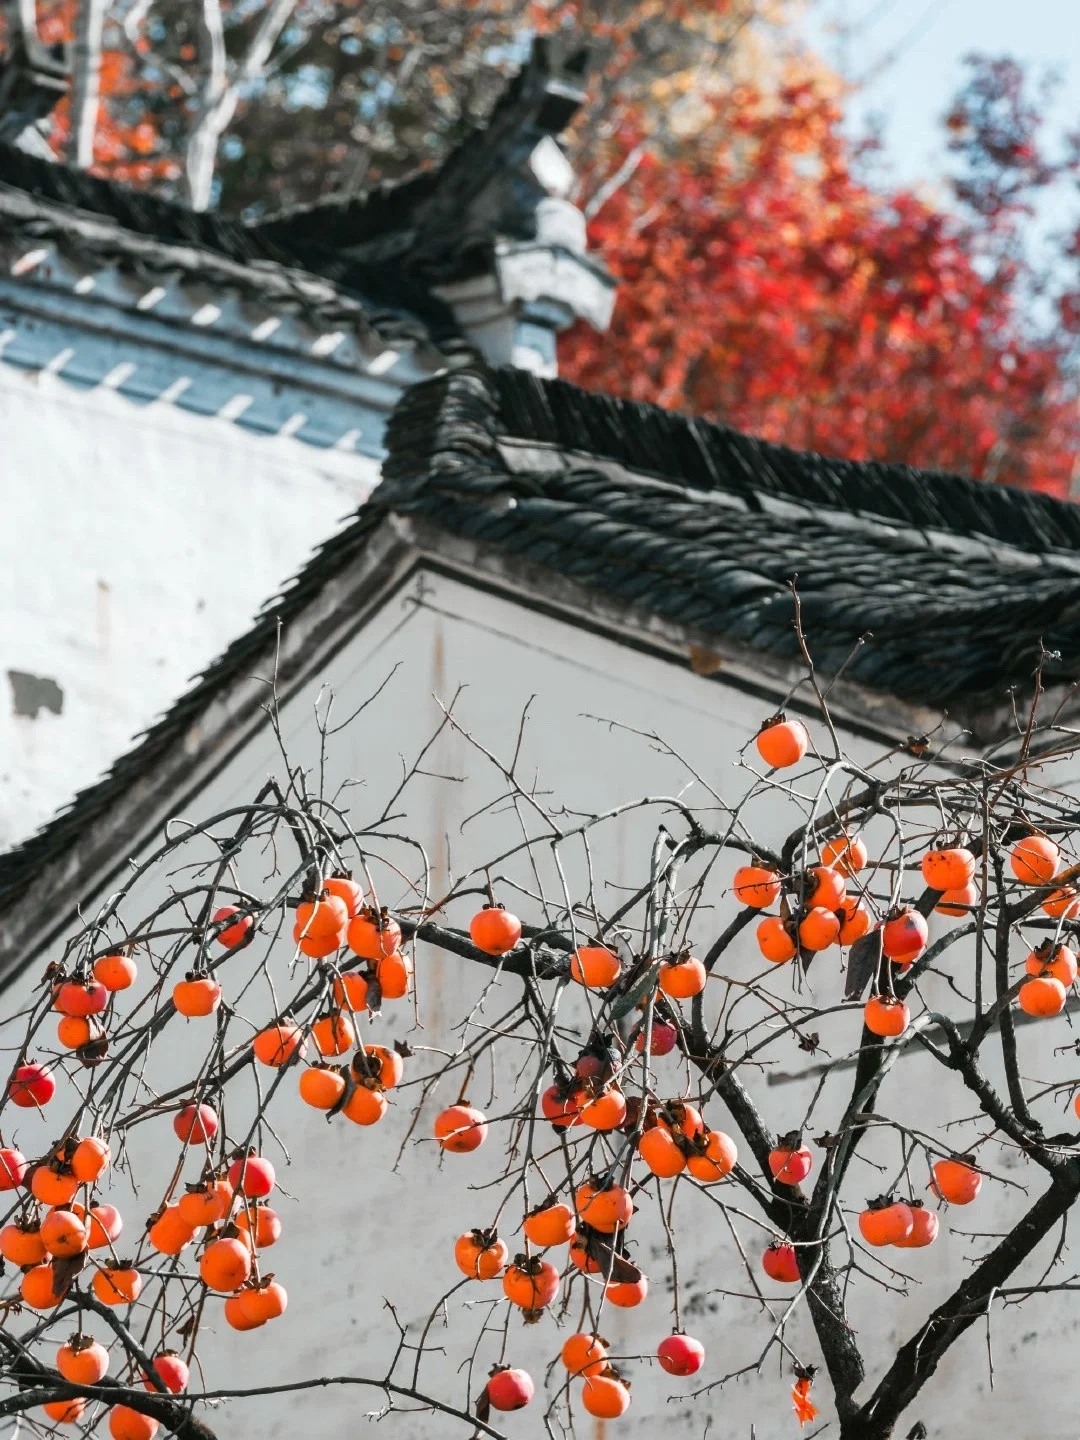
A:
(137, 541)
(358, 1233)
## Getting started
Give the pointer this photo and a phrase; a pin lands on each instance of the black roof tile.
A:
(960, 582)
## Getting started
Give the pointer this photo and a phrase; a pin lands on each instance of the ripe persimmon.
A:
(1058, 961)
(232, 935)
(886, 1222)
(679, 1117)
(65, 1412)
(373, 935)
(259, 1223)
(322, 1086)
(170, 1233)
(393, 973)
(680, 1354)
(196, 1124)
(904, 935)
(171, 1371)
(366, 1105)
(22, 1245)
(661, 1153)
(31, 1087)
(949, 869)
(82, 1360)
(1043, 996)
(317, 949)
(605, 1111)
(103, 1226)
(595, 966)
(225, 1264)
(119, 1284)
(780, 1263)
(551, 1224)
(460, 1128)
(1035, 860)
(387, 1065)
(335, 1033)
(347, 891)
(128, 1424)
(956, 1181)
(958, 902)
(1063, 904)
(203, 1205)
(781, 742)
(561, 1107)
(196, 995)
(713, 1156)
(40, 1289)
(81, 998)
(324, 919)
(531, 1283)
(54, 1184)
(775, 940)
(509, 1389)
(494, 930)
(605, 1396)
(846, 853)
(886, 1016)
(236, 1313)
(756, 885)
(480, 1254)
(824, 887)
(790, 1162)
(580, 1257)
(350, 992)
(13, 1168)
(682, 976)
(607, 1208)
(116, 972)
(265, 1301)
(277, 1044)
(73, 1032)
(252, 1175)
(818, 929)
(584, 1354)
(627, 1293)
(924, 1227)
(90, 1159)
(64, 1233)
(855, 920)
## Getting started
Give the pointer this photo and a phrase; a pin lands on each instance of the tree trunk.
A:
(86, 82)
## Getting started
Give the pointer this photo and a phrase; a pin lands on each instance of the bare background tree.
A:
(257, 106)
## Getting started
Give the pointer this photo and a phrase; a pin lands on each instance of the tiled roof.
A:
(959, 584)
(93, 226)
(367, 260)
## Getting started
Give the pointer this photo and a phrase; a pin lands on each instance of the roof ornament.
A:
(33, 79)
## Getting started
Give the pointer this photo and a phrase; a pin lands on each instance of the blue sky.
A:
(929, 39)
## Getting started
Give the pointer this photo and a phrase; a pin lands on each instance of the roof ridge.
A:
(703, 455)
(438, 220)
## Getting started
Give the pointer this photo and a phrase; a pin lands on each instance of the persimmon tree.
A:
(271, 950)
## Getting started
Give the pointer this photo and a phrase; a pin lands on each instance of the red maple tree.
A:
(765, 284)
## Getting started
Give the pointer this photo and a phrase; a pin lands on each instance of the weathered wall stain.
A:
(30, 694)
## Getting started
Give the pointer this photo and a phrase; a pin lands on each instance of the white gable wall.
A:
(355, 1233)
(138, 540)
